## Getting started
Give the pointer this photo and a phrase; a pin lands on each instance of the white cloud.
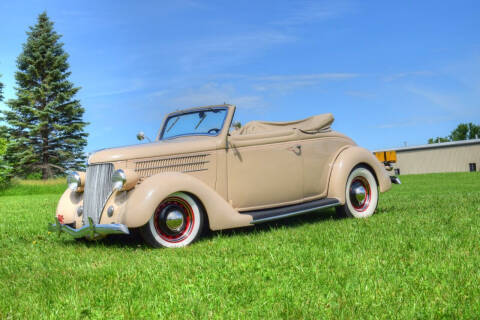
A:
(284, 87)
(361, 94)
(111, 93)
(122, 86)
(414, 121)
(237, 89)
(467, 72)
(158, 93)
(287, 83)
(231, 49)
(400, 75)
(313, 76)
(212, 94)
(446, 102)
(249, 102)
(305, 12)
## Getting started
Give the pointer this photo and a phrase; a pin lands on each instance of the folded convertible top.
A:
(312, 124)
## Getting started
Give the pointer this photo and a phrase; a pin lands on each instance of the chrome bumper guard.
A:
(91, 230)
(395, 180)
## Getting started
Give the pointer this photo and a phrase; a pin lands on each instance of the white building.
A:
(457, 156)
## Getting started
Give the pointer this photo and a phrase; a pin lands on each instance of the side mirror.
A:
(141, 136)
(236, 125)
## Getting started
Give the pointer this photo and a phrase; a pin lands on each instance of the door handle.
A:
(297, 149)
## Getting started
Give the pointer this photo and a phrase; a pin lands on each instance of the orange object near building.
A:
(386, 156)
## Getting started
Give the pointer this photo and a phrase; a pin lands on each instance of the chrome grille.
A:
(98, 188)
(174, 164)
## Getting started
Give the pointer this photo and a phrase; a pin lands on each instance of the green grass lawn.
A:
(418, 257)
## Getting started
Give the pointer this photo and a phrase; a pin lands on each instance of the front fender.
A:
(142, 201)
(67, 206)
(343, 165)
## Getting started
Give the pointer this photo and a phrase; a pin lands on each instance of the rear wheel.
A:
(361, 194)
(176, 222)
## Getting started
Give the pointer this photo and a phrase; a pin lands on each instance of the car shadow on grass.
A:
(134, 240)
(313, 217)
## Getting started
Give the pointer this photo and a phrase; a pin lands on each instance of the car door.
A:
(318, 155)
(264, 175)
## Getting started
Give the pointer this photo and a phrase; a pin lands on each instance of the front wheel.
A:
(361, 194)
(177, 221)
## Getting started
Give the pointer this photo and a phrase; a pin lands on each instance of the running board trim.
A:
(265, 215)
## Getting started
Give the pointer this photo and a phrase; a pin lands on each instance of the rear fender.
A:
(348, 159)
(142, 201)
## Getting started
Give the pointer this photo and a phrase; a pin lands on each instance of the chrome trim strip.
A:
(91, 230)
(104, 206)
(196, 170)
(294, 213)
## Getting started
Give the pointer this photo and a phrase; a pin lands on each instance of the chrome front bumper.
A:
(90, 231)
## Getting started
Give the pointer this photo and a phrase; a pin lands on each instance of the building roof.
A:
(433, 145)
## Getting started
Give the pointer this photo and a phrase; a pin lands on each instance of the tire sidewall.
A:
(372, 205)
(196, 228)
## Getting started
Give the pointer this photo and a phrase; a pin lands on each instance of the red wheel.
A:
(176, 222)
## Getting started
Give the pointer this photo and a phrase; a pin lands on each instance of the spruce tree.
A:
(1, 90)
(45, 125)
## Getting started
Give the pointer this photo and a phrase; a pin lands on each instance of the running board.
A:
(265, 215)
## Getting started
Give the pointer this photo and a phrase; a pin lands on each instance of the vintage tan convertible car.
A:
(201, 172)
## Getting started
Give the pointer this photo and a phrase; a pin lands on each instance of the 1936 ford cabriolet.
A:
(200, 172)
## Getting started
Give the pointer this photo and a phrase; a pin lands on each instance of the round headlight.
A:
(118, 179)
(74, 181)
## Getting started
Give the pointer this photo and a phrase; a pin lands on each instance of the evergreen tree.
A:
(45, 125)
(1, 90)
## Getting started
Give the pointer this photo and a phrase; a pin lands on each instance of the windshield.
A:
(199, 122)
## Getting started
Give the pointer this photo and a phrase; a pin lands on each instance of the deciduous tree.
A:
(4, 167)
(465, 131)
(438, 140)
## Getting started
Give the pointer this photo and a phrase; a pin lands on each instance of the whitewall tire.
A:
(361, 194)
(177, 221)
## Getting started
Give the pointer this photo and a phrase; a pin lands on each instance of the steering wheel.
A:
(213, 130)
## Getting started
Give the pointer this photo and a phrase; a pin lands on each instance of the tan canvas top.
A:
(312, 124)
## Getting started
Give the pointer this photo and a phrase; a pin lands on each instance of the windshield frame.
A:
(190, 111)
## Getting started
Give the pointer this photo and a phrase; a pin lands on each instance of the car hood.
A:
(156, 149)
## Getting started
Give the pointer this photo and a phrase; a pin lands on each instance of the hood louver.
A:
(191, 163)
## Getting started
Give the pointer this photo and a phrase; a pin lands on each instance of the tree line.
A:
(464, 131)
(43, 133)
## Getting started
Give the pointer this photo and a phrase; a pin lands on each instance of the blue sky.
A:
(390, 71)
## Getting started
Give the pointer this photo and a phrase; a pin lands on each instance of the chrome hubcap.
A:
(174, 220)
(359, 194)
